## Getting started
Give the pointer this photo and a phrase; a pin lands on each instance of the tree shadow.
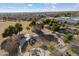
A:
(40, 33)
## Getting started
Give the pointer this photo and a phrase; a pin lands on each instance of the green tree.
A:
(28, 28)
(47, 21)
(33, 23)
(40, 25)
(54, 25)
(67, 38)
(18, 27)
(9, 31)
(5, 33)
(12, 30)
(12, 42)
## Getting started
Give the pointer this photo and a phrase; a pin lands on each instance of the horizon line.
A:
(37, 11)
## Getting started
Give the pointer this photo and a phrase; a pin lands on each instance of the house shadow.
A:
(46, 37)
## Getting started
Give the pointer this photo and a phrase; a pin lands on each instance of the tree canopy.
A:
(67, 38)
(12, 30)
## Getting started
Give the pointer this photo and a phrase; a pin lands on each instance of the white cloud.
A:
(30, 5)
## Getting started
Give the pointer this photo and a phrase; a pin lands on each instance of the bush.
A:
(54, 25)
(51, 47)
(67, 38)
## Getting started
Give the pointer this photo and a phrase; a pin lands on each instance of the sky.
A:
(38, 7)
